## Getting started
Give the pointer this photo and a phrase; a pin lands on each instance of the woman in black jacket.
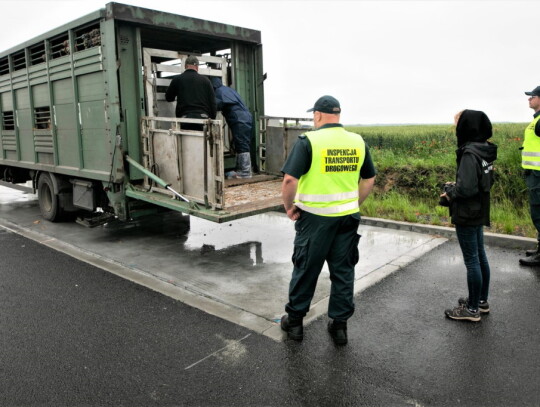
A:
(469, 208)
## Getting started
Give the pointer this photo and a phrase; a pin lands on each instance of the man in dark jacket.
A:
(469, 208)
(240, 122)
(194, 94)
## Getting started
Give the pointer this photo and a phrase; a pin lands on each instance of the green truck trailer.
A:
(84, 121)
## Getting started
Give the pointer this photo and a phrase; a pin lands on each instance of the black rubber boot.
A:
(531, 261)
(534, 251)
(338, 332)
(293, 326)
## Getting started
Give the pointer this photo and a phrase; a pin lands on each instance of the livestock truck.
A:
(85, 123)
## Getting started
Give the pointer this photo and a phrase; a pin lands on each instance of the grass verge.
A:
(414, 161)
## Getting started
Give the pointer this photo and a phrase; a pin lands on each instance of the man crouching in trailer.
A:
(240, 121)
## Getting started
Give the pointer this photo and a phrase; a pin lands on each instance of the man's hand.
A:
(294, 213)
(288, 192)
(364, 188)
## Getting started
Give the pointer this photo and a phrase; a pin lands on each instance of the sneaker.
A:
(534, 251)
(483, 307)
(338, 332)
(462, 313)
(293, 327)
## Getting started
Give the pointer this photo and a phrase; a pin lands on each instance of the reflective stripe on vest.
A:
(330, 210)
(530, 155)
(327, 197)
(330, 187)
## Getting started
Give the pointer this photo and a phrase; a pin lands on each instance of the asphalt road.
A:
(75, 335)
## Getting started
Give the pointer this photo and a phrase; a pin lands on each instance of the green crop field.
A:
(414, 161)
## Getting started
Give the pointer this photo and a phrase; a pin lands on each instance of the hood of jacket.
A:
(473, 126)
(486, 151)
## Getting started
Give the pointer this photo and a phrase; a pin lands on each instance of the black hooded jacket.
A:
(469, 197)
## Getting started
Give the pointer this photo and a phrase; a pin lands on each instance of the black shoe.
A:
(338, 331)
(293, 327)
(463, 313)
(483, 307)
(531, 261)
(534, 251)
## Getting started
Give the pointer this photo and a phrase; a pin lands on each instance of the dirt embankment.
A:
(416, 182)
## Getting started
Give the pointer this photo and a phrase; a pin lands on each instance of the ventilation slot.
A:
(4, 66)
(37, 54)
(8, 121)
(88, 37)
(42, 118)
(19, 61)
(60, 46)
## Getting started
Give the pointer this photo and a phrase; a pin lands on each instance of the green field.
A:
(414, 161)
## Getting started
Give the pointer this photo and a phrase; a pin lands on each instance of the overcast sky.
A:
(396, 61)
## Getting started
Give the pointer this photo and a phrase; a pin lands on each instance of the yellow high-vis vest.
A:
(530, 155)
(330, 187)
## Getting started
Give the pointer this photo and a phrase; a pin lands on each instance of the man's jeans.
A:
(471, 241)
(242, 137)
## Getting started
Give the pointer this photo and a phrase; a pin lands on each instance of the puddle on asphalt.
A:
(244, 263)
(452, 260)
(260, 239)
(266, 238)
(10, 195)
(392, 238)
(269, 236)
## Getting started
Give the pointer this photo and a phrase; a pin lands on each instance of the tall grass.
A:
(414, 161)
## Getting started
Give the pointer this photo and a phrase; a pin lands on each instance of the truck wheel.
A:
(48, 200)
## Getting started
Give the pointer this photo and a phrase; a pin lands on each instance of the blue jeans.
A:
(242, 137)
(471, 241)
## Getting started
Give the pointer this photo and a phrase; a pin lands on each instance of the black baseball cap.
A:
(534, 92)
(326, 104)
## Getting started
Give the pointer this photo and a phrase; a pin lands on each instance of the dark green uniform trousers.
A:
(532, 180)
(319, 239)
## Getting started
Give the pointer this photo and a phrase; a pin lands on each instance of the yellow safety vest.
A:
(330, 187)
(530, 155)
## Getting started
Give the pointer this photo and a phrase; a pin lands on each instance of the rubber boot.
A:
(534, 251)
(243, 167)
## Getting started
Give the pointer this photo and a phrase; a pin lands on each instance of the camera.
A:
(442, 200)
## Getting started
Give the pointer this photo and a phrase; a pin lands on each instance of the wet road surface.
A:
(239, 270)
(73, 334)
(76, 335)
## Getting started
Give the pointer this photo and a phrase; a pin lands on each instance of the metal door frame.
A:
(212, 177)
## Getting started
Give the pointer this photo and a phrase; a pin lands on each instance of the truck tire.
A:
(48, 201)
